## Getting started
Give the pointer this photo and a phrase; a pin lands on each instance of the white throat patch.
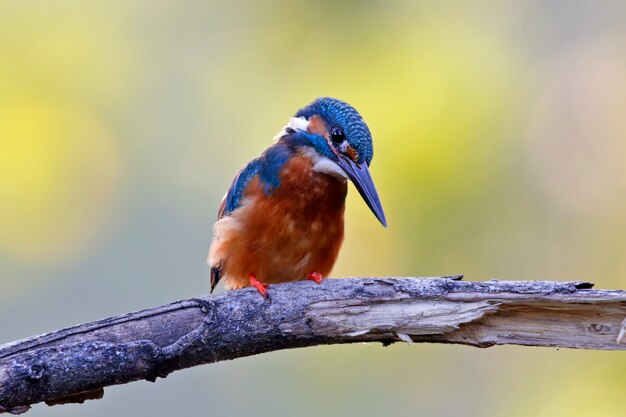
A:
(324, 165)
(295, 123)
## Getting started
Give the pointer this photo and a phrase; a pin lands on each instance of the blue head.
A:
(341, 141)
(342, 126)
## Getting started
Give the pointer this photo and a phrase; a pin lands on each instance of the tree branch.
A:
(75, 364)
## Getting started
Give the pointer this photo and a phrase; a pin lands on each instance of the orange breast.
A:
(284, 236)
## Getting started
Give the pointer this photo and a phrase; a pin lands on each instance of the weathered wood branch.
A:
(75, 364)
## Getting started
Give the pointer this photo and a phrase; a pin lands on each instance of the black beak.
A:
(360, 176)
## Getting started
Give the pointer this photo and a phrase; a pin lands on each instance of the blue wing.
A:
(267, 167)
(231, 201)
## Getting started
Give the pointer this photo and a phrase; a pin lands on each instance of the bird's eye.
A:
(336, 134)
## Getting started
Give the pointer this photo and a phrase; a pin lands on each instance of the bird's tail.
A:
(216, 275)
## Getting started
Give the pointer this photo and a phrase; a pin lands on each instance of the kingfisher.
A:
(282, 218)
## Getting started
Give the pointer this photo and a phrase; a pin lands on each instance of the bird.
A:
(282, 218)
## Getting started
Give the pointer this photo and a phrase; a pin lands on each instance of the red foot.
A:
(260, 286)
(315, 276)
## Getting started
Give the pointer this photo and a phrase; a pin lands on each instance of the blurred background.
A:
(500, 152)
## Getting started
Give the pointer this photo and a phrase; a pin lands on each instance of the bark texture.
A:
(75, 364)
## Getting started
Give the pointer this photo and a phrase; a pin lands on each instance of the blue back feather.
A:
(267, 167)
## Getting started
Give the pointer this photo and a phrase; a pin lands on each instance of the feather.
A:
(216, 272)
(230, 202)
(232, 199)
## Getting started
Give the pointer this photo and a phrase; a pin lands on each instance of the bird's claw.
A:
(315, 276)
(260, 286)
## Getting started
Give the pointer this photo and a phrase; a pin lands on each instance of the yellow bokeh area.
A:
(59, 160)
(440, 137)
(59, 169)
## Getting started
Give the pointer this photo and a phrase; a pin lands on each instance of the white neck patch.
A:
(295, 123)
(324, 165)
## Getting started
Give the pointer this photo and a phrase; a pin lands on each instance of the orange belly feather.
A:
(284, 236)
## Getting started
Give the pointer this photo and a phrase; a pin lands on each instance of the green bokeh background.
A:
(500, 152)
